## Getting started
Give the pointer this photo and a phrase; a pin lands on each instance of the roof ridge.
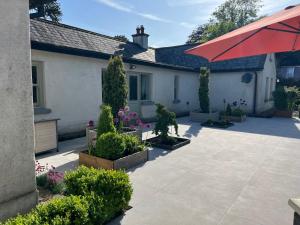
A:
(78, 29)
(175, 46)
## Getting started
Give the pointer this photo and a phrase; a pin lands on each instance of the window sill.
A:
(41, 111)
(177, 101)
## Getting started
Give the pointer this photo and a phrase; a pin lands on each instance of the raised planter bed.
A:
(237, 119)
(126, 162)
(197, 116)
(285, 113)
(156, 142)
(91, 135)
(217, 124)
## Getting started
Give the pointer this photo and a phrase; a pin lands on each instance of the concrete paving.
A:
(240, 176)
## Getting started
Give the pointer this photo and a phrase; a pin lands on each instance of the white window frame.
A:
(139, 86)
(39, 85)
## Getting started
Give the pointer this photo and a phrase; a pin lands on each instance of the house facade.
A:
(68, 64)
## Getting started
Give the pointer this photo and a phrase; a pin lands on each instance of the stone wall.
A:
(17, 177)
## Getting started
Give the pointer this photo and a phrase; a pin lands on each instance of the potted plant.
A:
(114, 150)
(284, 102)
(165, 119)
(106, 124)
(204, 113)
(234, 113)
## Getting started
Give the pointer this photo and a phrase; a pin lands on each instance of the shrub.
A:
(133, 144)
(228, 110)
(110, 146)
(238, 112)
(105, 123)
(115, 90)
(113, 186)
(280, 98)
(42, 180)
(70, 210)
(165, 119)
(204, 90)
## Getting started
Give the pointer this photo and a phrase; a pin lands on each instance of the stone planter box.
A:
(124, 163)
(237, 119)
(91, 135)
(200, 117)
(154, 142)
(285, 113)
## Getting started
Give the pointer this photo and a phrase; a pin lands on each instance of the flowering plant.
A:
(126, 118)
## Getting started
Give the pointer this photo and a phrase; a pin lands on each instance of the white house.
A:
(67, 64)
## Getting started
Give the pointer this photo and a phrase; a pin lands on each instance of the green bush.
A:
(204, 90)
(238, 112)
(165, 119)
(105, 123)
(115, 90)
(110, 146)
(72, 210)
(133, 144)
(280, 98)
(228, 110)
(113, 186)
(42, 180)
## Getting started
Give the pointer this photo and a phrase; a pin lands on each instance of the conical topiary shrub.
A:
(204, 90)
(115, 89)
(106, 122)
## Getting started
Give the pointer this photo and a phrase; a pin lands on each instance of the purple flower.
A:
(121, 113)
(148, 125)
(116, 120)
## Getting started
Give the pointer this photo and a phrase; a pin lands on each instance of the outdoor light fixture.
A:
(132, 67)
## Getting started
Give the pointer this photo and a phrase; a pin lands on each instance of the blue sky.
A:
(169, 22)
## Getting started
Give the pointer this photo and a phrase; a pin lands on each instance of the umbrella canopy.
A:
(276, 33)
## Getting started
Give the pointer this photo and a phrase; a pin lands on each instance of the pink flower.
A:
(126, 119)
(121, 113)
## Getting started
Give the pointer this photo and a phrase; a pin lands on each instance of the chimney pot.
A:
(142, 29)
(138, 30)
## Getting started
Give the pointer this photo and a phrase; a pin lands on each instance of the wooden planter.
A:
(285, 113)
(200, 117)
(154, 143)
(124, 163)
(91, 135)
(237, 119)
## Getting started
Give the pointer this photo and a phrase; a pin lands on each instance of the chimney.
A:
(141, 38)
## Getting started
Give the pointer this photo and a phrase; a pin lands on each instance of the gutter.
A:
(255, 93)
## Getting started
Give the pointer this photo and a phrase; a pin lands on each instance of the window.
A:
(176, 88)
(139, 87)
(133, 88)
(145, 87)
(267, 89)
(37, 84)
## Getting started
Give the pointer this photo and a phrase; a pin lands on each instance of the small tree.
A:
(105, 123)
(165, 119)
(204, 90)
(115, 90)
(280, 98)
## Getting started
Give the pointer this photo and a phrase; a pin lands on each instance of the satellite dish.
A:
(247, 78)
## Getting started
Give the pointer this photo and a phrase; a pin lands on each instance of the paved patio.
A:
(240, 176)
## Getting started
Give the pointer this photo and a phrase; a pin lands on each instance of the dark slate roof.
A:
(175, 55)
(288, 58)
(56, 37)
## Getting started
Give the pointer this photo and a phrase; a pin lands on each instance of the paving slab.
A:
(243, 175)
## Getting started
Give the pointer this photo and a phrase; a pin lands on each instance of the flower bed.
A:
(172, 144)
(91, 197)
(217, 124)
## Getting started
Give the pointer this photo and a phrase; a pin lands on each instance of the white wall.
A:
(228, 86)
(270, 72)
(73, 88)
(17, 176)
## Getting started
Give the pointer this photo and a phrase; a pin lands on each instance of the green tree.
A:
(52, 9)
(204, 90)
(105, 123)
(122, 38)
(229, 16)
(115, 90)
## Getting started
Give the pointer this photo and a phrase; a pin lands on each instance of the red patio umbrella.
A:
(276, 33)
